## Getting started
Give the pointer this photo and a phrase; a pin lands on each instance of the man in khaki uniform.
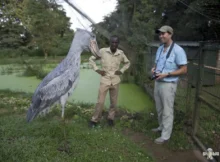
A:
(110, 72)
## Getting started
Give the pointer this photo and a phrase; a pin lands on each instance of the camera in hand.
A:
(154, 76)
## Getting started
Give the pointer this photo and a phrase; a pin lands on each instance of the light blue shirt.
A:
(177, 57)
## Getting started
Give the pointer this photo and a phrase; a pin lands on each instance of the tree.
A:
(135, 21)
(12, 33)
(45, 20)
(201, 20)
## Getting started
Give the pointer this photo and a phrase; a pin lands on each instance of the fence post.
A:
(188, 96)
(199, 78)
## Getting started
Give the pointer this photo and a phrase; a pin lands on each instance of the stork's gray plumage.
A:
(59, 84)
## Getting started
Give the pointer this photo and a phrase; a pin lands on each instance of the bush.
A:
(20, 52)
(6, 52)
(34, 70)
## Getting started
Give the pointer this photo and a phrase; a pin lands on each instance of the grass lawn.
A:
(44, 138)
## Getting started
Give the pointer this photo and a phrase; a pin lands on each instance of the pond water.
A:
(131, 96)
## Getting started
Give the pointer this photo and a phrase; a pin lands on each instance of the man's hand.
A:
(101, 72)
(153, 70)
(118, 72)
(161, 76)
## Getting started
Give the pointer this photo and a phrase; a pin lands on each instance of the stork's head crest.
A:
(88, 41)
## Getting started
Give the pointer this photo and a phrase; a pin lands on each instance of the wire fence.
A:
(198, 92)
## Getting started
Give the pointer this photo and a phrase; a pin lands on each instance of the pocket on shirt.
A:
(170, 63)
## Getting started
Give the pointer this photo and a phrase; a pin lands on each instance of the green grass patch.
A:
(44, 138)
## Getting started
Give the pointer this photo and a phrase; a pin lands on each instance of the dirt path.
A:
(161, 153)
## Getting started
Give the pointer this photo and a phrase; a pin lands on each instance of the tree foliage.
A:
(135, 21)
(41, 24)
(46, 21)
(12, 33)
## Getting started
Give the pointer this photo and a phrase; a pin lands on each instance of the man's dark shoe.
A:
(92, 124)
(110, 123)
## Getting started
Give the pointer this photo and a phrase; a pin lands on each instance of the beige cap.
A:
(165, 29)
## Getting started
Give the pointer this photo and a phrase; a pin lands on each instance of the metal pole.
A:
(81, 12)
(103, 32)
(100, 29)
(188, 95)
(200, 70)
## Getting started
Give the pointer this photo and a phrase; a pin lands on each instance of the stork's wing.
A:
(56, 88)
(58, 71)
(51, 92)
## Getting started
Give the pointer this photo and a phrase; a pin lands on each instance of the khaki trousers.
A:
(164, 95)
(113, 92)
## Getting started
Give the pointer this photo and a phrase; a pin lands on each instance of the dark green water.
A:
(130, 96)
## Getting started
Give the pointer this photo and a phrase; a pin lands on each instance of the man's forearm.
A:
(92, 63)
(153, 68)
(125, 67)
(181, 71)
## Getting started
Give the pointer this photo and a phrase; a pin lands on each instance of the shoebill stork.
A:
(60, 83)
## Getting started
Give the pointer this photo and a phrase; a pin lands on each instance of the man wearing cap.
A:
(170, 63)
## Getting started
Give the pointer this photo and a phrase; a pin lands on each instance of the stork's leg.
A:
(63, 100)
(63, 108)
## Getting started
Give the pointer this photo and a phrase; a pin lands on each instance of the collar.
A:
(109, 51)
(169, 45)
(168, 48)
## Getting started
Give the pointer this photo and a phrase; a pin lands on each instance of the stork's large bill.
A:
(94, 48)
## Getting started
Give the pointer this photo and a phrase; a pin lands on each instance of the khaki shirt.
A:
(110, 63)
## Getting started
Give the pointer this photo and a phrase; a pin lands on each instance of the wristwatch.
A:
(169, 74)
